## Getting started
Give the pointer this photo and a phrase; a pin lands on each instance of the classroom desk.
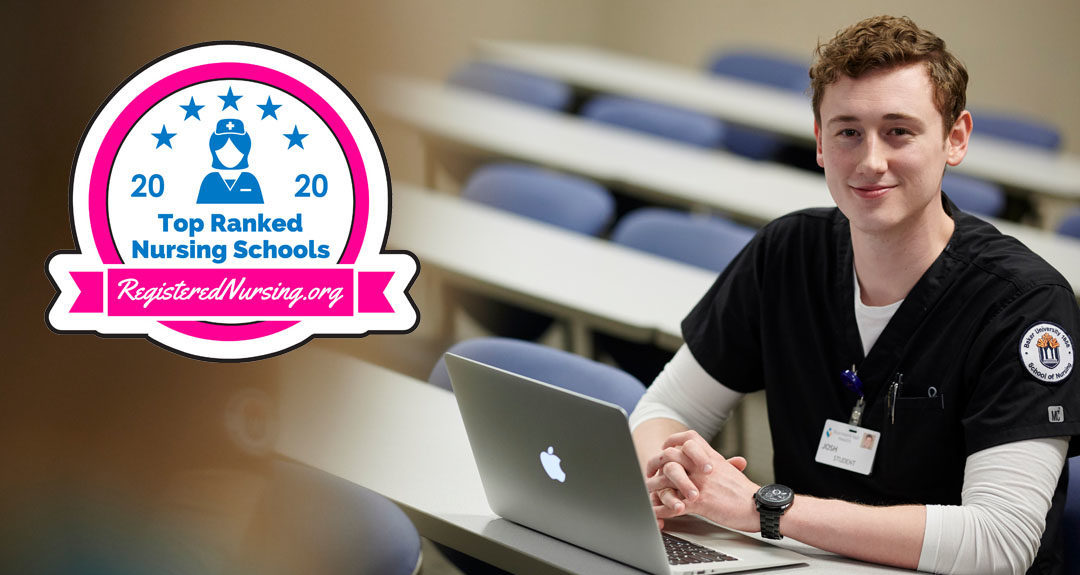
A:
(649, 167)
(590, 283)
(1023, 167)
(404, 439)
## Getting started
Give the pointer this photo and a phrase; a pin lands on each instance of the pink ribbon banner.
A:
(207, 293)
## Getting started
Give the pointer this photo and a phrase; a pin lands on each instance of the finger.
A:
(699, 455)
(664, 512)
(674, 475)
(678, 478)
(658, 483)
(670, 498)
(659, 524)
(668, 454)
(654, 497)
(738, 462)
(680, 438)
(653, 465)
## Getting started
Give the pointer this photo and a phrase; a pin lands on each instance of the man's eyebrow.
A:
(841, 120)
(893, 116)
(903, 117)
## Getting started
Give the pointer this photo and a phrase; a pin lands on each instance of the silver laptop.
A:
(563, 464)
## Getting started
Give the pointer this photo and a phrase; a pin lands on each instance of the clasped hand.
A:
(688, 476)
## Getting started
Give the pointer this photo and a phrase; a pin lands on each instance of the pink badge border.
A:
(125, 121)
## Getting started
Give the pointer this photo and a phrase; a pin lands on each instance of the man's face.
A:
(883, 148)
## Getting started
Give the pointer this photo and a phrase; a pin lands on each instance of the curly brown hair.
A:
(884, 42)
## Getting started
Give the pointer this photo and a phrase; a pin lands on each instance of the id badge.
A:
(848, 446)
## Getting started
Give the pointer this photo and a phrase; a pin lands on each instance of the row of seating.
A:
(582, 206)
(775, 71)
(688, 127)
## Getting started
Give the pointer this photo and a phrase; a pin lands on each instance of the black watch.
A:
(772, 501)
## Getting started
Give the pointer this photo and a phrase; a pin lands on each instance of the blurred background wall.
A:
(127, 414)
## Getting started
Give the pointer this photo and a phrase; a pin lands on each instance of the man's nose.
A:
(874, 158)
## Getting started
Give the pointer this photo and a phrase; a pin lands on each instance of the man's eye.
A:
(900, 132)
(848, 133)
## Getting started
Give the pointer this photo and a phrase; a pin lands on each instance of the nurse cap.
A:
(229, 126)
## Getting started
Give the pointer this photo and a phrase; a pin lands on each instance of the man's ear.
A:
(817, 139)
(959, 135)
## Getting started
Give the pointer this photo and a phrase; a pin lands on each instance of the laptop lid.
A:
(564, 464)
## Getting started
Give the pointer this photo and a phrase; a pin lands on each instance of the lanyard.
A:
(852, 382)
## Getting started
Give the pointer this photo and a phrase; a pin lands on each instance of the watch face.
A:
(775, 494)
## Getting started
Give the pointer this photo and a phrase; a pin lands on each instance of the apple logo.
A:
(552, 464)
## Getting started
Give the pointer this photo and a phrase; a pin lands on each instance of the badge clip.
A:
(852, 382)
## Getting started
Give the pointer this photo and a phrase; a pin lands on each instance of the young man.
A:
(894, 315)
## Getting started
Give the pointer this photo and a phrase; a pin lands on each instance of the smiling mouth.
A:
(871, 192)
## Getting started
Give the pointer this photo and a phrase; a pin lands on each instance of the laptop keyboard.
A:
(682, 552)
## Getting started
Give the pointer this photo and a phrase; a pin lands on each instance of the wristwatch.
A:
(772, 501)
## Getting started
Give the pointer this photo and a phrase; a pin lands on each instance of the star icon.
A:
(230, 101)
(295, 138)
(269, 109)
(191, 110)
(164, 138)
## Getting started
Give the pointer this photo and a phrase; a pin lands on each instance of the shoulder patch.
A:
(1047, 352)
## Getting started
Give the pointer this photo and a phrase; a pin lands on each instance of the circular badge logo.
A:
(230, 201)
(1047, 352)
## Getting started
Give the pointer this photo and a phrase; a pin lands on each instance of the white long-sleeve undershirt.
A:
(1004, 500)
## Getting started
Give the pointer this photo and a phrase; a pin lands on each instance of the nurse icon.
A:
(229, 146)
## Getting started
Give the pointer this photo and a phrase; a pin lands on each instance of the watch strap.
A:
(770, 522)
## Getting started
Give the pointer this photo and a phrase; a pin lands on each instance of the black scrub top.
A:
(781, 318)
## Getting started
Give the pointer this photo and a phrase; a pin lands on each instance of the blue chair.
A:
(1071, 522)
(309, 521)
(973, 195)
(760, 68)
(513, 84)
(1017, 129)
(554, 366)
(1070, 226)
(660, 120)
(706, 242)
(556, 198)
(570, 202)
(702, 241)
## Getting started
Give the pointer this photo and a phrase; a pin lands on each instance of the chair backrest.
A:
(703, 241)
(550, 365)
(514, 84)
(1018, 129)
(1070, 226)
(752, 143)
(657, 119)
(559, 199)
(973, 195)
(760, 67)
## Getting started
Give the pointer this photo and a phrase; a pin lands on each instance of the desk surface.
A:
(648, 166)
(612, 288)
(641, 164)
(404, 439)
(764, 107)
